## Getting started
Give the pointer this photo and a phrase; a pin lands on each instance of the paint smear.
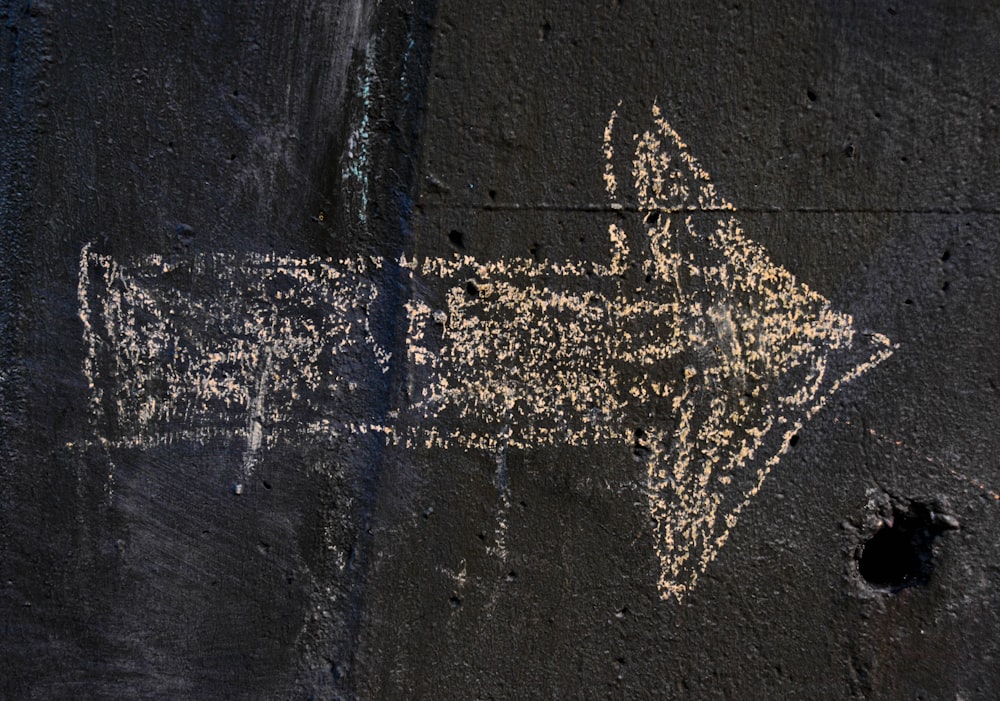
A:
(689, 346)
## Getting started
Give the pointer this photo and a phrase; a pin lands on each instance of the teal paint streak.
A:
(358, 145)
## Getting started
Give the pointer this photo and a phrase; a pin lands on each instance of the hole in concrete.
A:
(794, 440)
(457, 239)
(811, 95)
(899, 554)
(472, 289)
(544, 31)
(639, 448)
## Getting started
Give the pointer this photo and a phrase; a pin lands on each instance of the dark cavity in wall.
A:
(900, 553)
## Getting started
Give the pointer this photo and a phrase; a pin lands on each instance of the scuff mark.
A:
(255, 418)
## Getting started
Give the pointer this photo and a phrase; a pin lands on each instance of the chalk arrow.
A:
(687, 344)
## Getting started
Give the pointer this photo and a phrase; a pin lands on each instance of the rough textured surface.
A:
(172, 129)
(858, 146)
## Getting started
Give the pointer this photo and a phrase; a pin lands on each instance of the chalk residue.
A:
(768, 354)
(256, 346)
(709, 356)
(688, 345)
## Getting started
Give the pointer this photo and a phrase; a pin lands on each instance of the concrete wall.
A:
(441, 350)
